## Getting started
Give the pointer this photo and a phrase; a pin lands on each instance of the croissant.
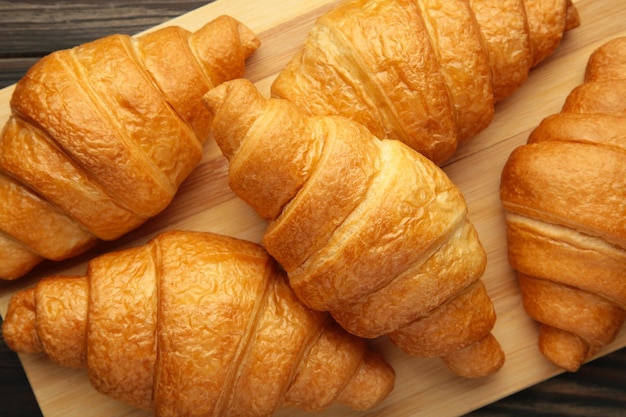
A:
(367, 229)
(214, 329)
(425, 72)
(102, 135)
(564, 195)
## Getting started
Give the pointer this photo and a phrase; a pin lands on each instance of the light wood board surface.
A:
(205, 203)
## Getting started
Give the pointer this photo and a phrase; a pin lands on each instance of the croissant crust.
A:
(196, 324)
(425, 72)
(101, 136)
(367, 229)
(564, 194)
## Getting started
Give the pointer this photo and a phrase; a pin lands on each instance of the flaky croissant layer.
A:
(367, 229)
(196, 324)
(426, 72)
(564, 194)
(102, 135)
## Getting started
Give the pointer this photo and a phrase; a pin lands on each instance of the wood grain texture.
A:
(204, 202)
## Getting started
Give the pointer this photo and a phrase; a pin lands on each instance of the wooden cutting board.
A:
(205, 203)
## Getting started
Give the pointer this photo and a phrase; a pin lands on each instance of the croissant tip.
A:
(18, 328)
(217, 96)
(572, 19)
(214, 97)
(248, 38)
(563, 348)
(372, 383)
(478, 360)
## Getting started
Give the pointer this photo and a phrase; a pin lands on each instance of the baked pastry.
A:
(102, 135)
(426, 72)
(367, 229)
(564, 194)
(215, 330)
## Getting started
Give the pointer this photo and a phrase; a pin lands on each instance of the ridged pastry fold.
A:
(196, 324)
(101, 136)
(367, 229)
(564, 195)
(424, 72)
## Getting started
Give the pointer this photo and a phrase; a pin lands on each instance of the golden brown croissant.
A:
(564, 194)
(196, 324)
(367, 229)
(102, 135)
(426, 72)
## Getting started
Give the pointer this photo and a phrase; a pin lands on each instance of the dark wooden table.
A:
(31, 29)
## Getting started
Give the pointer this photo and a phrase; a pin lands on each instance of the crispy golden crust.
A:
(608, 61)
(564, 194)
(595, 128)
(572, 319)
(102, 135)
(593, 318)
(425, 72)
(509, 46)
(35, 160)
(462, 56)
(567, 183)
(407, 213)
(367, 229)
(61, 313)
(39, 225)
(547, 20)
(464, 361)
(123, 308)
(420, 288)
(16, 259)
(196, 323)
(18, 329)
(470, 316)
(336, 185)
